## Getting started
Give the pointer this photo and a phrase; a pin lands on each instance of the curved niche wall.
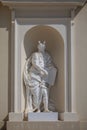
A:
(55, 47)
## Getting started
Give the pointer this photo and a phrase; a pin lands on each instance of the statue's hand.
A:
(44, 73)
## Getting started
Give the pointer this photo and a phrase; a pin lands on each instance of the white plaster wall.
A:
(79, 64)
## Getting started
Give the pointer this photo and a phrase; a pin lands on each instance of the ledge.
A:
(43, 125)
(27, 3)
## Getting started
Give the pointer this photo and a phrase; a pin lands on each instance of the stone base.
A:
(43, 116)
(15, 116)
(48, 125)
(68, 116)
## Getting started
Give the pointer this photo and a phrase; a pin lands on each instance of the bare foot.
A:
(47, 110)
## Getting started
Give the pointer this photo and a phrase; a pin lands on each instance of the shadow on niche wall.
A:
(5, 65)
(55, 47)
(5, 26)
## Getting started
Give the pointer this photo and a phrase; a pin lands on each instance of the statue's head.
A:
(41, 46)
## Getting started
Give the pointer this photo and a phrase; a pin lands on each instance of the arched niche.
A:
(55, 47)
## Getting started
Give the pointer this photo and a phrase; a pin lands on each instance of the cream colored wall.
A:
(4, 60)
(80, 62)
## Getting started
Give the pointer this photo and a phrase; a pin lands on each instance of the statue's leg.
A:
(28, 100)
(36, 94)
(45, 99)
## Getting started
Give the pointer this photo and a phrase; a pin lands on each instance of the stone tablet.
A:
(51, 76)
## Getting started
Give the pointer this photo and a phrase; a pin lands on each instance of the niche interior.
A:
(55, 47)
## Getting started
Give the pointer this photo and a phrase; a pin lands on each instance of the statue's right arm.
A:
(26, 72)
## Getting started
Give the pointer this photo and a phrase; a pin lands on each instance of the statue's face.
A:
(41, 47)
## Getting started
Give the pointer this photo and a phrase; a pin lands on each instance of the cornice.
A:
(15, 4)
(51, 6)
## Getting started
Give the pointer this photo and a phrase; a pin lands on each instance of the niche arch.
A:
(55, 47)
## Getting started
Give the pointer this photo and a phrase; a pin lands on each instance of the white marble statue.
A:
(39, 76)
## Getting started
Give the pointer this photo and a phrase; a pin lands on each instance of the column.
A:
(70, 91)
(15, 114)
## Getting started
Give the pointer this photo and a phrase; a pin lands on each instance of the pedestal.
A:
(43, 116)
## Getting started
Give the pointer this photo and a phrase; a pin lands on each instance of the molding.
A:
(27, 4)
(47, 5)
(39, 125)
(12, 58)
(15, 90)
(10, 2)
(54, 7)
(36, 21)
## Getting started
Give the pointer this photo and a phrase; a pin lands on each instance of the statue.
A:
(39, 76)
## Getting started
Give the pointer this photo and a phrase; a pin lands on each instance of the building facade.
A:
(19, 20)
